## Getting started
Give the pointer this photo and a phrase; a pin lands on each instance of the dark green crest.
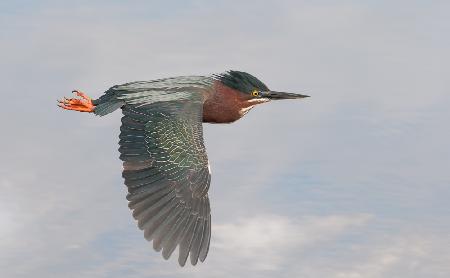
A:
(241, 81)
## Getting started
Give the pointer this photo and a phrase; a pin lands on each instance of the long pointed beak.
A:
(281, 95)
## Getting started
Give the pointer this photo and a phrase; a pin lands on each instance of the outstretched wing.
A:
(166, 168)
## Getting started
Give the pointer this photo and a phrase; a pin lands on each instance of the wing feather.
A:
(162, 230)
(186, 239)
(170, 241)
(165, 163)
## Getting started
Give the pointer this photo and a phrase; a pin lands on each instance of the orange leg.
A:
(83, 104)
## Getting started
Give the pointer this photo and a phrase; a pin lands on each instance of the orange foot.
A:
(83, 105)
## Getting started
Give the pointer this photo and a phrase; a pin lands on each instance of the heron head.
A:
(253, 89)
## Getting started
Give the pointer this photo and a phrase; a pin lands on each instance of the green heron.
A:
(165, 165)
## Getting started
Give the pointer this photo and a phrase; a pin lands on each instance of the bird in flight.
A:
(165, 165)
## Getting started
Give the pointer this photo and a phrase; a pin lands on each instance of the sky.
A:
(352, 182)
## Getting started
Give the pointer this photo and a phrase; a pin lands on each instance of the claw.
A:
(83, 105)
(81, 94)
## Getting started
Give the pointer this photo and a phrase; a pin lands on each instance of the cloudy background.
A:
(352, 182)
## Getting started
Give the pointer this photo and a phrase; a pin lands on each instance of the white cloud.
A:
(259, 246)
(409, 255)
(268, 241)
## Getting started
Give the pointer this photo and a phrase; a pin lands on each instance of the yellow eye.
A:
(255, 93)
